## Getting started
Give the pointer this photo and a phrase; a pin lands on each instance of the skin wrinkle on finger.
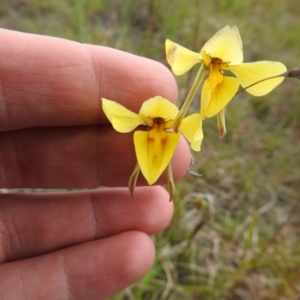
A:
(30, 273)
(42, 224)
(55, 82)
(95, 224)
(39, 75)
(96, 270)
(3, 104)
(68, 158)
(3, 166)
(145, 216)
(6, 239)
(66, 273)
(133, 257)
(39, 223)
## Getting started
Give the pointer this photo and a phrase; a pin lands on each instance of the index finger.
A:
(47, 81)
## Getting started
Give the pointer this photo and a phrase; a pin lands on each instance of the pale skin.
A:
(53, 134)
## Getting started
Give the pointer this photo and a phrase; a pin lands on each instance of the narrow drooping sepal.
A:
(133, 179)
(171, 185)
(221, 123)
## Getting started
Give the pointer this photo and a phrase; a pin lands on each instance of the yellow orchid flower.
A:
(223, 52)
(154, 147)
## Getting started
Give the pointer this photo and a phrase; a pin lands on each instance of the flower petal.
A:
(154, 153)
(179, 58)
(191, 128)
(215, 98)
(122, 119)
(250, 73)
(158, 107)
(226, 44)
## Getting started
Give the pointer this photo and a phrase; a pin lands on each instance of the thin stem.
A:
(189, 98)
(293, 73)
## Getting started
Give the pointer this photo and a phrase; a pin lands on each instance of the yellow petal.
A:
(122, 119)
(191, 128)
(250, 73)
(154, 151)
(226, 44)
(158, 107)
(179, 58)
(215, 98)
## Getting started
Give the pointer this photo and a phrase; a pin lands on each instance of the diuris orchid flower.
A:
(154, 147)
(223, 52)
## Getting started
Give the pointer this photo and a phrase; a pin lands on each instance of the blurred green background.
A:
(235, 232)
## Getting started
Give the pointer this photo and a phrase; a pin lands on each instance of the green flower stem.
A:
(189, 98)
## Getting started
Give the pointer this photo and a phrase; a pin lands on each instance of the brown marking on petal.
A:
(159, 121)
(216, 60)
(163, 141)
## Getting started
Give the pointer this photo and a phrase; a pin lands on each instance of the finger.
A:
(47, 81)
(94, 270)
(73, 157)
(33, 224)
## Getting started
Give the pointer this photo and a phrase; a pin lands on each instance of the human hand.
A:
(53, 134)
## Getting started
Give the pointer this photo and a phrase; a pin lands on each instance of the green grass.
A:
(235, 233)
